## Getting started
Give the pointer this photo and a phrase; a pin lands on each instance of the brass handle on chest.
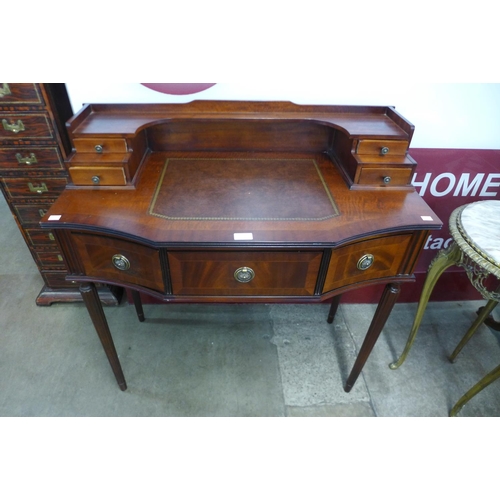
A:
(99, 148)
(384, 150)
(386, 179)
(26, 160)
(365, 262)
(5, 90)
(244, 274)
(96, 179)
(120, 262)
(13, 127)
(42, 188)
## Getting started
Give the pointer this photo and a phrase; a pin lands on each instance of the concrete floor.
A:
(228, 360)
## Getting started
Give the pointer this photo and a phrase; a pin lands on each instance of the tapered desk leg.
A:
(333, 308)
(136, 296)
(443, 260)
(96, 312)
(387, 301)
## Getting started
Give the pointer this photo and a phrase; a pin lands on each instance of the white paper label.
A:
(54, 217)
(426, 217)
(243, 236)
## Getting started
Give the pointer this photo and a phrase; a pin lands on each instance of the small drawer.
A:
(31, 213)
(37, 187)
(30, 158)
(41, 238)
(381, 147)
(100, 145)
(57, 279)
(50, 259)
(236, 273)
(98, 176)
(119, 260)
(368, 260)
(385, 176)
(25, 126)
(19, 93)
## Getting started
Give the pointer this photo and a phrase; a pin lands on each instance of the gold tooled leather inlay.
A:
(242, 189)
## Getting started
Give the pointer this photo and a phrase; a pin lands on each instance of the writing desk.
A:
(240, 202)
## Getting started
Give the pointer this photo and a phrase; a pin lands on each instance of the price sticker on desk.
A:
(243, 236)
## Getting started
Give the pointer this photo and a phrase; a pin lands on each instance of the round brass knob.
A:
(120, 262)
(98, 148)
(384, 150)
(386, 179)
(365, 262)
(244, 274)
(96, 179)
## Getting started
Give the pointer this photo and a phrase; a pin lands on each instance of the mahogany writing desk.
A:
(240, 202)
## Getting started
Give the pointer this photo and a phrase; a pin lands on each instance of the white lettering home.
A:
(443, 184)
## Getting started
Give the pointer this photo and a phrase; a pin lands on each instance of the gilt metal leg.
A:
(490, 321)
(136, 296)
(333, 308)
(387, 301)
(484, 313)
(443, 260)
(94, 307)
(484, 382)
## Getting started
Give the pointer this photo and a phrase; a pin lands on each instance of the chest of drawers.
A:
(33, 147)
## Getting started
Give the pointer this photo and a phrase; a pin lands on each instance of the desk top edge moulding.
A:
(240, 202)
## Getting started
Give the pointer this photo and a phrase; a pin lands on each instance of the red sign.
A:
(450, 178)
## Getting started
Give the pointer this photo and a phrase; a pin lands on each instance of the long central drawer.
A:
(244, 273)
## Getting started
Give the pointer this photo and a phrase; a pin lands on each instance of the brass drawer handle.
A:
(120, 262)
(13, 127)
(99, 148)
(38, 189)
(26, 160)
(96, 179)
(5, 90)
(244, 274)
(386, 179)
(365, 262)
(384, 150)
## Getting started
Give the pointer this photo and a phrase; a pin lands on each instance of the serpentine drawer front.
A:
(367, 260)
(244, 273)
(119, 260)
